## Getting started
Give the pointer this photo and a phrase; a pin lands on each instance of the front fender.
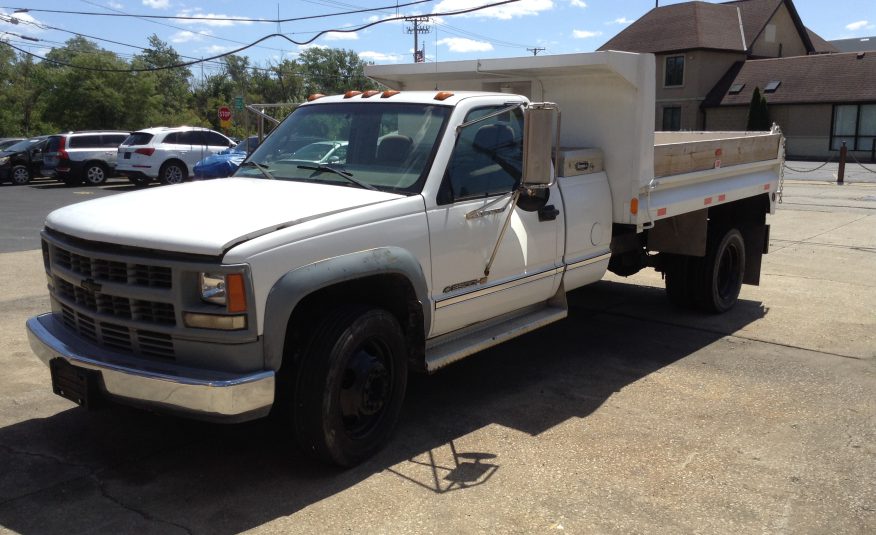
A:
(297, 284)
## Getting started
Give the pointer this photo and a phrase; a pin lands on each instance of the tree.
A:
(173, 86)
(332, 71)
(758, 114)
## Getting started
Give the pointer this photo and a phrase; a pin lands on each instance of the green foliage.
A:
(758, 114)
(75, 91)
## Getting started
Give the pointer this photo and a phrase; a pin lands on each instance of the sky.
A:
(515, 29)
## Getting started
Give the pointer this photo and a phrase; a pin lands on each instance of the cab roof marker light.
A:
(443, 95)
(351, 94)
(389, 93)
(370, 93)
(314, 96)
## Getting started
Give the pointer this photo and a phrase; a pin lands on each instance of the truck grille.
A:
(113, 271)
(118, 337)
(115, 306)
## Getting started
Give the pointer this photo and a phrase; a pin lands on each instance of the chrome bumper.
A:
(198, 393)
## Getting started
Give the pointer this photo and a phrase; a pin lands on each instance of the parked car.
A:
(77, 157)
(321, 152)
(227, 161)
(23, 160)
(167, 154)
(9, 141)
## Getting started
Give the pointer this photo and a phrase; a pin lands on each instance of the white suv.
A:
(167, 154)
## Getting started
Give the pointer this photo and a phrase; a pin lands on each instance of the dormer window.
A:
(674, 71)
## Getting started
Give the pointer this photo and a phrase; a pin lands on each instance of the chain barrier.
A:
(859, 163)
(786, 166)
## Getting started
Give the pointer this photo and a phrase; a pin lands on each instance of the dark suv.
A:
(23, 160)
(77, 157)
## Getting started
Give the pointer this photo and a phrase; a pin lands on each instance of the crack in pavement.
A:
(94, 475)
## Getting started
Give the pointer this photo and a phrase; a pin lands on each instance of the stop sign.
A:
(225, 113)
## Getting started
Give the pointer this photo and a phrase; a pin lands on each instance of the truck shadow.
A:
(126, 470)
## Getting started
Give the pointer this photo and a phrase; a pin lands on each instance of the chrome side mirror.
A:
(540, 134)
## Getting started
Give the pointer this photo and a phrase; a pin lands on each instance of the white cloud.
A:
(186, 36)
(623, 20)
(584, 34)
(157, 4)
(522, 8)
(577, 3)
(115, 5)
(215, 49)
(461, 44)
(210, 19)
(341, 36)
(380, 57)
(860, 25)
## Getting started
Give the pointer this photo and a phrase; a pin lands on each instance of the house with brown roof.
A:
(711, 56)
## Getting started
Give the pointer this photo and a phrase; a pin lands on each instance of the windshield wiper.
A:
(260, 167)
(348, 176)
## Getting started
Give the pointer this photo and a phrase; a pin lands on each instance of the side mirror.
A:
(539, 132)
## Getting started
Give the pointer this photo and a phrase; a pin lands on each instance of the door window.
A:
(487, 159)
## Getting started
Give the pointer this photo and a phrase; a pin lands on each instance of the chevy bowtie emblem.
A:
(89, 284)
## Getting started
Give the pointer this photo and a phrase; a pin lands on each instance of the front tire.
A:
(350, 385)
(20, 175)
(173, 173)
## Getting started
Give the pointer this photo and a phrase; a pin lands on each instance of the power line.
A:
(222, 19)
(262, 39)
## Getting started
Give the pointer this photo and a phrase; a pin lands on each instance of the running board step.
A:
(457, 345)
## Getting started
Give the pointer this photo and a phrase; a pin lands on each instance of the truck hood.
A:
(206, 217)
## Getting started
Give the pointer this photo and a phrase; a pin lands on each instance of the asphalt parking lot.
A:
(627, 417)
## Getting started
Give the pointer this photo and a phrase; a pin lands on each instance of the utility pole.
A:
(418, 28)
(535, 50)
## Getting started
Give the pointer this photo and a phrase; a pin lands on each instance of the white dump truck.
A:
(453, 213)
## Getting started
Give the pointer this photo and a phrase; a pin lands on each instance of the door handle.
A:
(548, 213)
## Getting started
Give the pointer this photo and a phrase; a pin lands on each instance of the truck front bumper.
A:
(203, 394)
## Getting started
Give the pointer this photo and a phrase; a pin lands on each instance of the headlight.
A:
(225, 289)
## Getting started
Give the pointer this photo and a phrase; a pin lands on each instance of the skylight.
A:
(735, 89)
(772, 86)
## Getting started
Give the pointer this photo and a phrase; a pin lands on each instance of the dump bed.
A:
(607, 102)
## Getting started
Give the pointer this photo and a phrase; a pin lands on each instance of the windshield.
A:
(23, 145)
(386, 145)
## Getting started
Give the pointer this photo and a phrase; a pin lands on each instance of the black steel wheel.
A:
(20, 175)
(350, 385)
(723, 269)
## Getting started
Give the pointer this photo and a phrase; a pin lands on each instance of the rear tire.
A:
(350, 385)
(20, 175)
(173, 173)
(94, 174)
(722, 271)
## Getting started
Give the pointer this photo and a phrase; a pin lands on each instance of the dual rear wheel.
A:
(711, 283)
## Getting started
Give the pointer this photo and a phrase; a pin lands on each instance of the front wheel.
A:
(350, 385)
(20, 175)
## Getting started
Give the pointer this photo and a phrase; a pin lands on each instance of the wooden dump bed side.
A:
(685, 152)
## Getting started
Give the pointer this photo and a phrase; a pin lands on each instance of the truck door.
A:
(485, 167)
